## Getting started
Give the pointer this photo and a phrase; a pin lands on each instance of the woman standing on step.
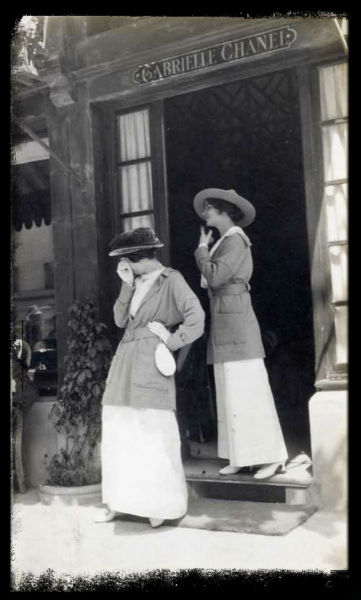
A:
(249, 431)
(142, 471)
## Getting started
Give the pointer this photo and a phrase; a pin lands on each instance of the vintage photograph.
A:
(179, 297)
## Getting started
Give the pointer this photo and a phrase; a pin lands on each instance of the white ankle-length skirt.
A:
(249, 431)
(142, 470)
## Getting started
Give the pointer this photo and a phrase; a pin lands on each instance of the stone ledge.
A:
(207, 470)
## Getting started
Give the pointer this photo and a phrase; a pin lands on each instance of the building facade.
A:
(132, 116)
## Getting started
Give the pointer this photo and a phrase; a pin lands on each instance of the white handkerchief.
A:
(164, 360)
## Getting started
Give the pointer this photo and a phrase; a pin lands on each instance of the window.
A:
(334, 126)
(134, 170)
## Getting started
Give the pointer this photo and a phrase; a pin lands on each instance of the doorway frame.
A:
(305, 66)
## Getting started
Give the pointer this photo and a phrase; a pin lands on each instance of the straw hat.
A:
(231, 196)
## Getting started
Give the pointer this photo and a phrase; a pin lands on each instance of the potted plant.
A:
(75, 470)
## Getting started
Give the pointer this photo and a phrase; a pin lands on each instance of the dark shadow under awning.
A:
(30, 202)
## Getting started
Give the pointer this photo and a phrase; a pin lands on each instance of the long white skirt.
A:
(249, 431)
(142, 471)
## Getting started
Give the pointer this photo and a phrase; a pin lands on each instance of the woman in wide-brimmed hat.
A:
(249, 431)
(142, 471)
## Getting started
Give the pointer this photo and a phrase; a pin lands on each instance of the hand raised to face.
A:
(206, 238)
(125, 272)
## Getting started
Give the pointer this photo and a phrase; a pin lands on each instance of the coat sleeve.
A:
(219, 270)
(189, 307)
(121, 306)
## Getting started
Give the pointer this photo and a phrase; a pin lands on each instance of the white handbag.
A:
(164, 360)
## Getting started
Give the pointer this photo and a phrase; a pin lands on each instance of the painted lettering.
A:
(157, 71)
(224, 52)
(176, 66)
(253, 49)
(281, 38)
(147, 74)
(274, 39)
(167, 68)
(212, 56)
(240, 49)
(261, 41)
(226, 55)
(189, 63)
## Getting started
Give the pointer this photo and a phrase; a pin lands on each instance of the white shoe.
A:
(106, 516)
(269, 470)
(156, 522)
(229, 470)
(301, 459)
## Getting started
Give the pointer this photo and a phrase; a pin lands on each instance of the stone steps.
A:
(202, 474)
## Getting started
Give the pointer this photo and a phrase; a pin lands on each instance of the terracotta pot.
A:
(84, 494)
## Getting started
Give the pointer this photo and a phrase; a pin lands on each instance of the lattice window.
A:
(237, 121)
(334, 131)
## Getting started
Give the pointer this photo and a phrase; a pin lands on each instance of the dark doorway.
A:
(247, 136)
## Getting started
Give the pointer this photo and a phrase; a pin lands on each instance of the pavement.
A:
(67, 540)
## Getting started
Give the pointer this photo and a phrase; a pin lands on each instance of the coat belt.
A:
(231, 289)
(138, 333)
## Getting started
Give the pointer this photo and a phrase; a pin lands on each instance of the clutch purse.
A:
(164, 360)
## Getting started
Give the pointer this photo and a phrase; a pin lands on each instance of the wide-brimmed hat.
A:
(142, 238)
(231, 196)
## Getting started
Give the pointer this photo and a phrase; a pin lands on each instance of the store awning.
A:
(31, 194)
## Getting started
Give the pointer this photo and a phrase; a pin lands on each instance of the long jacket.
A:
(133, 378)
(234, 332)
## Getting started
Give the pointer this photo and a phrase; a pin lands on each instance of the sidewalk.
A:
(66, 540)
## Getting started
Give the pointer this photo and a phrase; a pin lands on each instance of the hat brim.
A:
(231, 196)
(130, 250)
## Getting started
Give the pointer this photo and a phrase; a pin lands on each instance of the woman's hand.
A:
(205, 238)
(125, 272)
(159, 330)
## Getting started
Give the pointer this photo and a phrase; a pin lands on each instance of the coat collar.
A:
(155, 288)
(235, 230)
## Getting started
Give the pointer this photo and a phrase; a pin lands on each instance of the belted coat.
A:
(133, 378)
(234, 331)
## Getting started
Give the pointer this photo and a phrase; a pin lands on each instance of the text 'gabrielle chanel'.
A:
(269, 41)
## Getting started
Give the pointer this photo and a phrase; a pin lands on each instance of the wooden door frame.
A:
(303, 64)
(158, 166)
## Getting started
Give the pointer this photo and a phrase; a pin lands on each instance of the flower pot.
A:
(78, 495)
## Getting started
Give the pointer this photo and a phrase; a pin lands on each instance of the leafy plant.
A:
(77, 412)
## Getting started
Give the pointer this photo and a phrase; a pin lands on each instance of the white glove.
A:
(159, 330)
(125, 272)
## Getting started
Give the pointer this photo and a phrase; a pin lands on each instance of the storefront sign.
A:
(261, 43)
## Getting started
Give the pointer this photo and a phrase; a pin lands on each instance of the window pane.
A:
(134, 139)
(136, 187)
(130, 223)
(335, 151)
(338, 262)
(336, 210)
(333, 84)
(341, 319)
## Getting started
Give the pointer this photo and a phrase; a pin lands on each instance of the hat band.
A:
(131, 249)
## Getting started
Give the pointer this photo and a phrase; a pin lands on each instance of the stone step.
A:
(204, 474)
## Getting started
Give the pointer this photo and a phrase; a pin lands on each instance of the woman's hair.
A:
(230, 209)
(137, 256)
